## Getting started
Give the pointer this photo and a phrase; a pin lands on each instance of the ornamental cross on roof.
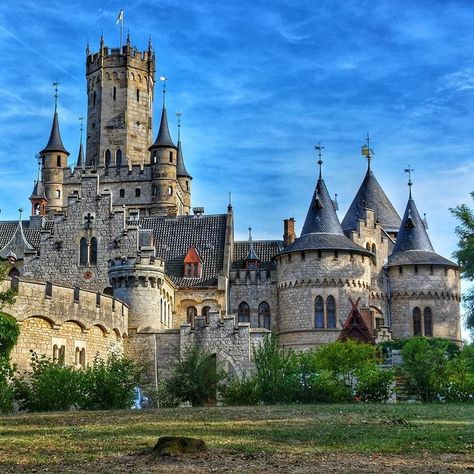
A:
(366, 151)
(409, 170)
(319, 149)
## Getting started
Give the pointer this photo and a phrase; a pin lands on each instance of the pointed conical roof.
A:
(18, 245)
(163, 139)
(413, 246)
(80, 157)
(251, 255)
(55, 144)
(38, 191)
(371, 195)
(321, 229)
(180, 168)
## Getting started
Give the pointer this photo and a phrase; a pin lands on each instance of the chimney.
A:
(288, 231)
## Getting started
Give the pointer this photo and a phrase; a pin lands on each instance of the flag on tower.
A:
(119, 17)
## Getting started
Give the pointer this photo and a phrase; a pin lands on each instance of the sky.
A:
(259, 83)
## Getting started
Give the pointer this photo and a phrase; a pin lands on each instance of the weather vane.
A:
(178, 114)
(163, 80)
(319, 149)
(409, 170)
(366, 151)
(56, 89)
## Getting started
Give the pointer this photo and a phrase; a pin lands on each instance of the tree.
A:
(465, 255)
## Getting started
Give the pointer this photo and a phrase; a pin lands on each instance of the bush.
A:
(49, 386)
(161, 396)
(425, 364)
(460, 384)
(6, 388)
(326, 388)
(9, 332)
(373, 383)
(110, 384)
(241, 392)
(195, 378)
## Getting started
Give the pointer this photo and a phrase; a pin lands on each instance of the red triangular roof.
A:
(192, 256)
(355, 327)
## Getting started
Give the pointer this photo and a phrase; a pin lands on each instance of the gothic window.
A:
(122, 193)
(93, 258)
(374, 251)
(82, 357)
(205, 313)
(115, 93)
(118, 158)
(319, 313)
(83, 250)
(171, 157)
(55, 353)
(428, 322)
(77, 356)
(108, 158)
(191, 313)
(331, 311)
(137, 192)
(243, 313)
(58, 160)
(161, 310)
(417, 322)
(264, 319)
(138, 95)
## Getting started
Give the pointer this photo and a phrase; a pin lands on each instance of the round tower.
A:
(54, 160)
(138, 282)
(163, 156)
(424, 287)
(318, 275)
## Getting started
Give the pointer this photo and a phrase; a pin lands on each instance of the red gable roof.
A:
(192, 256)
(355, 327)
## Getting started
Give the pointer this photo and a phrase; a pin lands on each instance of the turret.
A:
(120, 84)
(424, 286)
(317, 275)
(54, 160)
(163, 157)
(38, 196)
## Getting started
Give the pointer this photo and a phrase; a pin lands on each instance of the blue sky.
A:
(259, 83)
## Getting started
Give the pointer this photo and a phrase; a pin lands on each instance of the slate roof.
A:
(371, 195)
(321, 229)
(413, 246)
(265, 249)
(175, 236)
(33, 235)
(55, 142)
(80, 157)
(163, 139)
(38, 190)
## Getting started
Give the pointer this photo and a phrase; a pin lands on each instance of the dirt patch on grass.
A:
(232, 462)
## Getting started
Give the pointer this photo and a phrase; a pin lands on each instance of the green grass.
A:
(30, 439)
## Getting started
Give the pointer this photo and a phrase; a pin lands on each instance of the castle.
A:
(115, 259)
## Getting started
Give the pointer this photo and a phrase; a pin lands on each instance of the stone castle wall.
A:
(62, 316)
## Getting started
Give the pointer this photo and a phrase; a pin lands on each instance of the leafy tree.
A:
(465, 255)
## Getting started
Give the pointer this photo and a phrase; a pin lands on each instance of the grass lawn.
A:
(309, 438)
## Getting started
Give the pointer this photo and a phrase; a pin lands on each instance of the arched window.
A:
(191, 313)
(169, 314)
(243, 313)
(264, 319)
(58, 194)
(118, 157)
(319, 312)
(82, 357)
(428, 322)
(83, 252)
(374, 251)
(77, 357)
(367, 246)
(417, 321)
(331, 311)
(93, 251)
(108, 158)
(138, 95)
(205, 313)
(171, 157)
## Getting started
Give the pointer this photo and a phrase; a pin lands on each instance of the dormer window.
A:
(192, 264)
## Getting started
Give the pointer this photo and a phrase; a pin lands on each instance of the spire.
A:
(38, 188)
(80, 155)
(321, 216)
(251, 253)
(55, 142)
(180, 168)
(413, 246)
(366, 151)
(371, 195)
(163, 139)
